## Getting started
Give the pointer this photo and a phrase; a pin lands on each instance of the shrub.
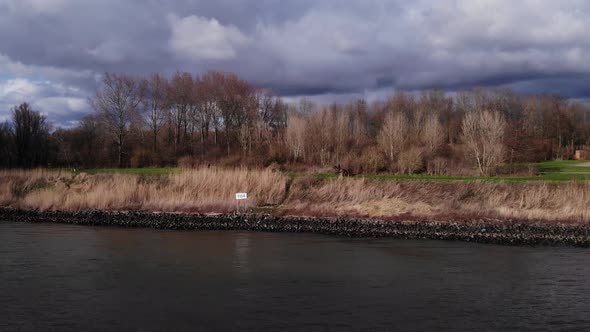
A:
(275, 167)
(372, 160)
(185, 162)
(437, 166)
(517, 169)
(142, 158)
(410, 161)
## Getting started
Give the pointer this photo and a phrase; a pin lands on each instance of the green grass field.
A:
(564, 167)
(553, 178)
(550, 171)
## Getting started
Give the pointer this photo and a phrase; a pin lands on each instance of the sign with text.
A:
(241, 196)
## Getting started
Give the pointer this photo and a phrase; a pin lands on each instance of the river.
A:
(63, 277)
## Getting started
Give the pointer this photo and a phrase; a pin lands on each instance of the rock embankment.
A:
(481, 231)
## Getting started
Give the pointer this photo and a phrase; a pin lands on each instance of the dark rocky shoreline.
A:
(481, 231)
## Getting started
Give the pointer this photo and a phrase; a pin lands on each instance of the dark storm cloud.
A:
(52, 52)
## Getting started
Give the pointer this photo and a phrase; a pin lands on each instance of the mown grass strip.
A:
(553, 178)
(564, 166)
(550, 171)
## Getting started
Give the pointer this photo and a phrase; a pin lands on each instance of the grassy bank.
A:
(548, 171)
(211, 190)
(186, 191)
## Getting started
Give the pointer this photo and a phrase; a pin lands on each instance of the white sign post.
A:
(239, 197)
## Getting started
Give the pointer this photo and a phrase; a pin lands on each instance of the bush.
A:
(274, 159)
(437, 166)
(142, 158)
(185, 162)
(410, 161)
(275, 167)
(517, 169)
(372, 160)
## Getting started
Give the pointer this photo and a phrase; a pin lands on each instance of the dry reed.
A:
(212, 190)
(201, 190)
(531, 201)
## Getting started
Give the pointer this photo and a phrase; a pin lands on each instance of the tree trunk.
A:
(120, 150)
(202, 143)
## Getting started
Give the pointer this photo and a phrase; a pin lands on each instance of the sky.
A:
(53, 52)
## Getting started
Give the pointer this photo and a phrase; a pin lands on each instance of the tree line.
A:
(190, 120)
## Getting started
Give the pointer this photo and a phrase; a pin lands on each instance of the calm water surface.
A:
(60, 277)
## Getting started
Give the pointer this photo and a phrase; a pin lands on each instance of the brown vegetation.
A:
(483, 134)
(220, 119)
(212, 190)
(352, 197)
(189, 190)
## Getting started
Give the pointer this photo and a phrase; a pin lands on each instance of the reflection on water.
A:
(83, 278)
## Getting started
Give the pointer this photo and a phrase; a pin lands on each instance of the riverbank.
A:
(492, 231)
(203, 199)
(212, 191)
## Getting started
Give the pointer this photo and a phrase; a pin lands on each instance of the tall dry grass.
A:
(531, 201)
(210, 190)
(202, 190)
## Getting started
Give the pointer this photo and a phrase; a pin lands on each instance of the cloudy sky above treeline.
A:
(52, 52)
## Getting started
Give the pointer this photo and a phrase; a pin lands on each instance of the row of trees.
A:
(219, 118)
(187, 114)
(439, 134)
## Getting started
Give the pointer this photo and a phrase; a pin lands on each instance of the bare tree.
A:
(483, 133)
(393, 135)
(208, 92)
(342, 131)
(295, 136)
(238, 108)
(321, 138)
(154, 105)
(90, 141)
(117, 101)
(410, 161)
(359, 122)
(180, 100)
(432, 134)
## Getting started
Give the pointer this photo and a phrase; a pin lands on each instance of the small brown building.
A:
(582, 155)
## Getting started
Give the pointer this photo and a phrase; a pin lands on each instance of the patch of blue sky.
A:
(6, 77)
(9, 77)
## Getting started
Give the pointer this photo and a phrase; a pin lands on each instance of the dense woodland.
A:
(220, 119)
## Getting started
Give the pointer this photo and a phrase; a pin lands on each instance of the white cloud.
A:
(110, 52)
(19, 69)
(62, 105)
(201, 38)
(55, 100)
(17, 90)
(427, 43)
(327, 48)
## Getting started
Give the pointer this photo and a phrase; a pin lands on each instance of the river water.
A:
(62, 277)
